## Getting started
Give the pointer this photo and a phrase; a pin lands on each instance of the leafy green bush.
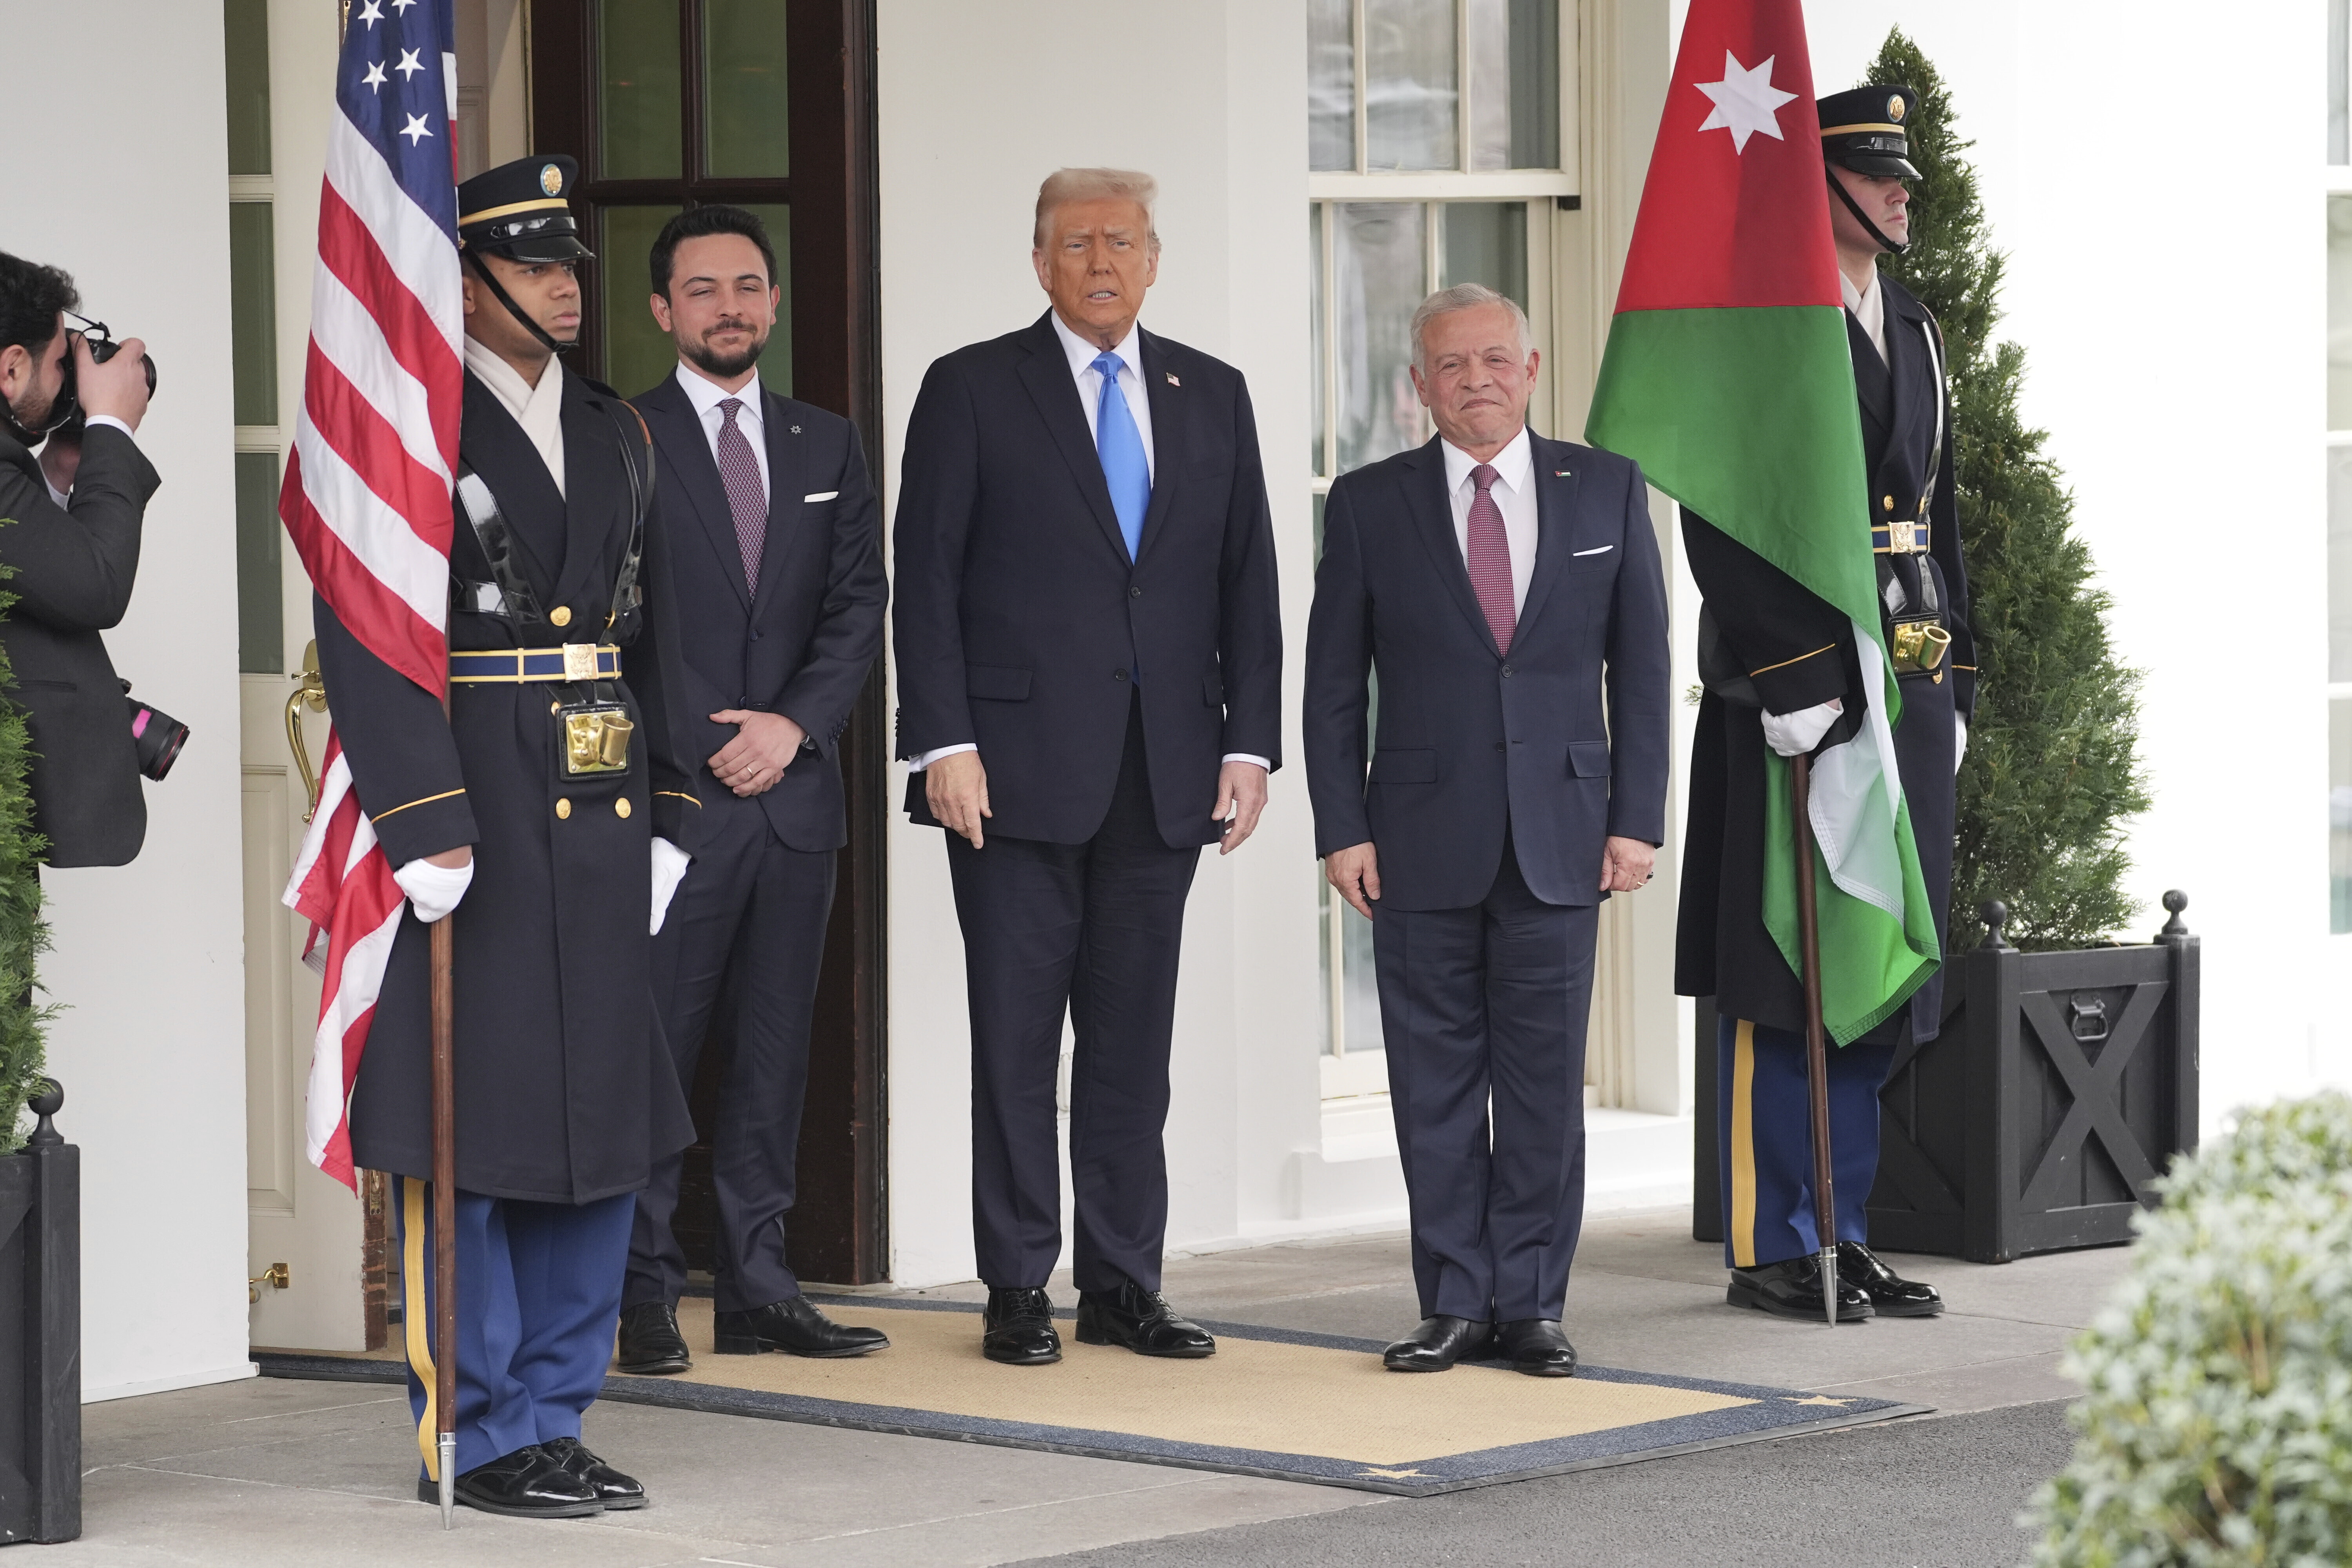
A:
(2217, 1432)
(24, 936)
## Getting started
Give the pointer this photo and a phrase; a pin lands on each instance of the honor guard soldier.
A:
(1788, 661)
(551, 799)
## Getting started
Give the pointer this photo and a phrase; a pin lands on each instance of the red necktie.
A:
(1490, 559)
(745, 498)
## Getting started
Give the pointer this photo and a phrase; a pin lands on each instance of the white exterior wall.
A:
(2166, 278)
(978, 104)
(149, 965)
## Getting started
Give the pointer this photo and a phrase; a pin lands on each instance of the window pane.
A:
(253, 312)
(2339, 563)
(776, 359)
(260, 589)
(1486, 242)
(2339, 312)
(637, 352)
(1408, 85)
(1359, 984)
(1320, 364)
(249, 86)
(743, 73)
(638, 107)
(1380, 278)
(1514, 84)
(2339, 78)
(1331, 85)
(2339, 814)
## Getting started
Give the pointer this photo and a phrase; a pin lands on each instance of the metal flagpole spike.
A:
(448, 1446)
(1829, 1285)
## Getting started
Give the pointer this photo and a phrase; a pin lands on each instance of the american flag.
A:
(367, 499)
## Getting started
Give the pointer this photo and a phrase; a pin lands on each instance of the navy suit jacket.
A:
(1472, 742)
(1022, 626)
(800, 645)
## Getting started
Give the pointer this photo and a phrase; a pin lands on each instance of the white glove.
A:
(1794, 734)
(434, 890)
(669, 869)
(1959, 741)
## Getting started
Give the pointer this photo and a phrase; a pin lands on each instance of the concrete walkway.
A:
(322, 1473)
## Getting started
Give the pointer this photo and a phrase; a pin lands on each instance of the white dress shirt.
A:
(64, 499)
(1869, 309)
(1515, 497)
(1082, 355)
(706, 394)
(538, 409)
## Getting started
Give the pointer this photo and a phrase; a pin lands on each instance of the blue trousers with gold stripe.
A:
(1765, 1126)
(539, 1298)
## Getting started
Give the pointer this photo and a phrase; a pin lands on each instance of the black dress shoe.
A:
(612, 1488)
(528, 1483)
(650, 1341)
(1793, 1290)
(1438, 1343)
(796, 1326)
(1017, 1329)
(1890, 1294)
(1142, 1322)
(1536, 1346)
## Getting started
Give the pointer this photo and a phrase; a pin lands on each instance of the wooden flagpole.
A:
(1817, 1066)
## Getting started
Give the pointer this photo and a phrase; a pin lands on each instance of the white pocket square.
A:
(821, 495)
(1596, 549)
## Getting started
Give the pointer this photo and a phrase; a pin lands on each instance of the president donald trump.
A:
(1089, 687)
(1504, 590)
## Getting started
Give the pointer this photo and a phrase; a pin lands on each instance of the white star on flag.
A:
(374, 76)
(414, 130)
(402, 6)
(410, 65)
(370, 15)
(1746, 101)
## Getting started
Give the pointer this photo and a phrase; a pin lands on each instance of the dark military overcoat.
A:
(565, 1088)
(1766, 640)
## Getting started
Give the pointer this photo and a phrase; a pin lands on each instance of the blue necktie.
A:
(1119, 445)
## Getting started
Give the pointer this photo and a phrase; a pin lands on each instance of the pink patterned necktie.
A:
(1490, 559)
(746, 498)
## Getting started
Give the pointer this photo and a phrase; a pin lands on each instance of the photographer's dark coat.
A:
(564, 1089)
(1798, 652)
(72, 569)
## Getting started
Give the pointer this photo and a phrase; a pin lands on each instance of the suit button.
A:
(1135, 593)
(1119, 674)
(1499, 745)
(621, 807)
(1507, 672)
(562, 808)
(755, 634)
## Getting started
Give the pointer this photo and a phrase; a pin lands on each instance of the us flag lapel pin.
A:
(1172, 379)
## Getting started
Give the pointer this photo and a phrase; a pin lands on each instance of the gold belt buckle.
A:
(597, 741)
(580, 661)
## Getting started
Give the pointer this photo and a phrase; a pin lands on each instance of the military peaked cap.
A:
(518, 210)
(1868, 130)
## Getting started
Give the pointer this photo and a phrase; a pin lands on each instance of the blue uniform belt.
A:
(1898, 538)
(572, 662)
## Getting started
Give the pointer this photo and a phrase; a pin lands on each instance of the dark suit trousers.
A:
(1487, 1005)
(755, 907)
(1091, 928)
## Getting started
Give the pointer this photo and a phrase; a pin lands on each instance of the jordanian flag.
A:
(1727, 378)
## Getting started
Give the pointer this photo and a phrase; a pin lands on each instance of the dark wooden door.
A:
(767, 104)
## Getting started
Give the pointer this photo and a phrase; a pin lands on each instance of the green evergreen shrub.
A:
(2051, 775)
(2217, 1431)
(24, 935)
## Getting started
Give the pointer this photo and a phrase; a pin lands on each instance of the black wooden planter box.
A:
(2060, 1088)
(40, 1335)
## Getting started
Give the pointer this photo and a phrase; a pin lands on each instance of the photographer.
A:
(70, 539)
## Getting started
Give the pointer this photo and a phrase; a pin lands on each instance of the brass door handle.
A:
(311, 692)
